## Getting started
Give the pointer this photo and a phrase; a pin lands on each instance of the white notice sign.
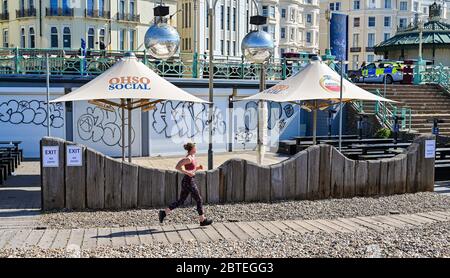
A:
(74, 156)
(50, 156)
(430, 148)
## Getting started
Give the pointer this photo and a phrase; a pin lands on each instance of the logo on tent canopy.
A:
(276, 89)
(331, 85)
(129, 83)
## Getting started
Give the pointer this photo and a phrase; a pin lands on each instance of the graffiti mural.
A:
(279, 116)
(185, 120)
(31, 112)
(100, 125)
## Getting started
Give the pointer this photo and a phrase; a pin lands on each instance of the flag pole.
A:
(48, 93)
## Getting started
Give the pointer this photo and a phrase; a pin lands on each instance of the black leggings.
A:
(188, 186)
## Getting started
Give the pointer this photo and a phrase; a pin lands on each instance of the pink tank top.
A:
(191, 166)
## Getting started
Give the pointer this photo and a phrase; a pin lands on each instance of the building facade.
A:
(120, 24)
(293, 24)
(371, 22)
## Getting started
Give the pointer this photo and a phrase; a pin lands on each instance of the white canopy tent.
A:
(315, 87)
(134, 85)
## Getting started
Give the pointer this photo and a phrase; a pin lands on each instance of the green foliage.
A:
(384, 133)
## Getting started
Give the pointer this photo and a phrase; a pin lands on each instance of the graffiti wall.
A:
(174, 123)
(100, 129)
(24, 118)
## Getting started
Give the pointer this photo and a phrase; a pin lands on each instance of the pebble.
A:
(431, 240)
(322, 209)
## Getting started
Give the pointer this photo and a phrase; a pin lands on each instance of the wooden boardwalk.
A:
(91, 238)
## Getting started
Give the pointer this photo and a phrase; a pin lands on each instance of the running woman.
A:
(188, 166)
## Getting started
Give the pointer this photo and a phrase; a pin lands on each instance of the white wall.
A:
(23, 117)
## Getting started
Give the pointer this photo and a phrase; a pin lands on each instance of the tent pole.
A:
(129, 129)
(340, 106)
(122, 103)
(315, 126)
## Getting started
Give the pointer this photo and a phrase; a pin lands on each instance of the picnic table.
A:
(15, 143)
(299, 139)
(382, 147)
(355, 141)
(443, 152)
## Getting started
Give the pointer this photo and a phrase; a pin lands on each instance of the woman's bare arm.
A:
(182, 163)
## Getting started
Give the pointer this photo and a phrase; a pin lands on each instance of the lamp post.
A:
(211, 4)
(257, 47)
(420, 62)
(328, 56)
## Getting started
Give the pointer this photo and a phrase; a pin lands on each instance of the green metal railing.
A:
(439, 74)
(70, 62)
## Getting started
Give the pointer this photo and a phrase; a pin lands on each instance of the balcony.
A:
(97, 14)
(355, 49)
(59, 12)
(128, 17)
(4, 16)
(370, 49)
(26, 13)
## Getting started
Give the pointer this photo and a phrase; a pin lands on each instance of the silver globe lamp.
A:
(161, 40)
(257, 47)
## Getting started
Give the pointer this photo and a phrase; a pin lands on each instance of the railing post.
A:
(403, 118)
(145, 57)
(441, 73)
(284, 68)
(195, 66)
(17, 61)
(81, 66)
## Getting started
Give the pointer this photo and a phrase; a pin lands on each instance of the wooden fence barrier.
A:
(319, 172)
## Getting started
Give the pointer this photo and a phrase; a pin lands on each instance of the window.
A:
(101, 37)
(403, 6)
(371, 39)
(228, 19)
(5, 38)
(5, 6)
(234, 48)
(356, 5)
(32, 40)
(91, 37)
(122, 39)
(101, 8)
(402, 22)
(372, 4)
(293, 15)
(234, 19)
(133, 40)
(337, 6)
(416, 6)
(356, 22)
(22, 37)
(272, 31)
(265, 11)
(54, 37)
(371, 21)
(283, 32)
(355, 62)
(66, 8)
(222, 17)
(331, 6)
(282, 51)
(291, 35)
(283, 13)
(355, 40)
(207, 44)
(387, 21)
(122, 9)
(22, 5)
(31, 4)
(222, 46)
(425, 11)
(387, 36)
(90, 7)
(308, 37)
(272, 11)
(53, 7)
(228, 48)
(308, 18)
(132, 8)
(370, 58)
(387, 4)
(300, 35)
(67, 38)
